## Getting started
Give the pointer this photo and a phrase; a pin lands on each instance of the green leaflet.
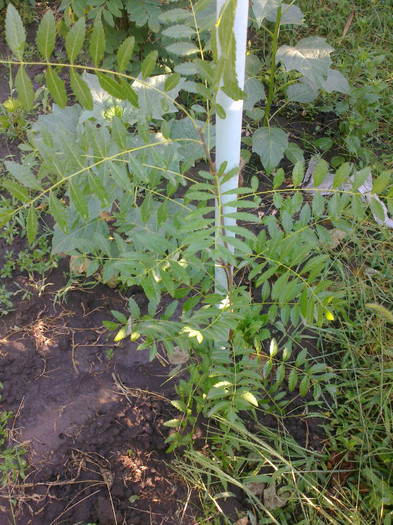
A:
(149, 64)
(46, 35)
(16, 190)
(74, 40)
(81, 90)
(15, 33)
(23, 175)
(58, 211)
(78, 200)
(97, 42)
(56, 87)
(110, 85)
(25, 88)
(32, 224)
(172, 81)
(124, 53)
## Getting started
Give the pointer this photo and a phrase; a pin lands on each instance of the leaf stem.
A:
(273, 66)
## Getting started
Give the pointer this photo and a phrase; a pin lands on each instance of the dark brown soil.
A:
(93, 427)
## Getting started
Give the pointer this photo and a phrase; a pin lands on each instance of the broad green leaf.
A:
(320, 172)
(124, 53)
(255, 92)
(78, 200)
(302, 92)
(269, 143)
(310, 57)
(46, 35)
(291, 14)
(172, 81)
(15, 33)
(337, 82)
(97, 42)
(32, 224)
(16, 190)
(261, 8)
(81, 90)
(149, 64)
(74, 40)
(56, 87)
(25, 88)
(342, 174)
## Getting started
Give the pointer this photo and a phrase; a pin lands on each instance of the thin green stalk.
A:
(273, 66)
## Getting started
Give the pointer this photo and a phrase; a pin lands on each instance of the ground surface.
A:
(93, 427)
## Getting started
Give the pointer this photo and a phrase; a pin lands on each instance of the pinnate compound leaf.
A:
(149, 64)
(97, 42)
(269, 143)
(25, 88)
(15, 33)
(81, 90)
(46, 35)
(32, 224)
(74, 40)
(56, 87)
(124, 53)
(78, 200)
(58, 211)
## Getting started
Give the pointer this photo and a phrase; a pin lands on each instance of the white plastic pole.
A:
(228, 130)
